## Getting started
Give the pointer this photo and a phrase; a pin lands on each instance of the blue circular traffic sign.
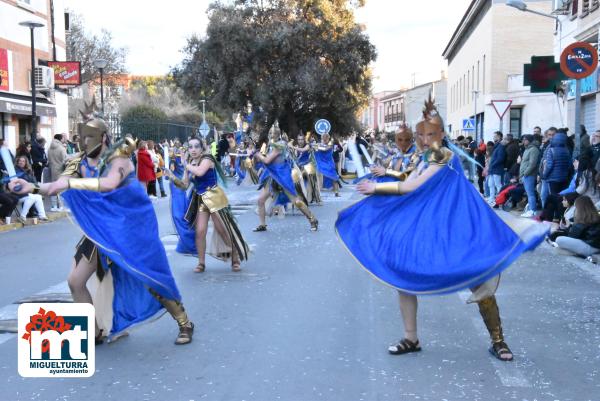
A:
(322, 126)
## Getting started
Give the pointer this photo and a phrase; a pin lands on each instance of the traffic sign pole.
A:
(577, 149)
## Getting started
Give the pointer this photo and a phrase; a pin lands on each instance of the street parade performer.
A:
(306, 163)
(397, 166)
(419, 235)
(277, 180)
(207, 201)
(120, 243)
(179, 202)
(328, 175)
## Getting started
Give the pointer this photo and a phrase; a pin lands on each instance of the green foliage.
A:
(293, 60)
(143, 120)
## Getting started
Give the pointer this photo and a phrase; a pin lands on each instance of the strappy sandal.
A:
(499, 349)
(405, 346)
(314, 224)
(260, 228)
(185, 334)
(200, 268)
(235, 266)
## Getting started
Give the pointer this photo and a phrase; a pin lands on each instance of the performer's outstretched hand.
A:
(366, 187)
(20, 187)
(378, 171)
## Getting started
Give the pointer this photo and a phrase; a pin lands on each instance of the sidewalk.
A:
(52, 216)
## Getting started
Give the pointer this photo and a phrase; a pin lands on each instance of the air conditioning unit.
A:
(44, 78)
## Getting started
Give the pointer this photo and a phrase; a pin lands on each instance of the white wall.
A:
(10, 16)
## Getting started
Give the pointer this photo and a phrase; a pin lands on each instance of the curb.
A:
(52, 216)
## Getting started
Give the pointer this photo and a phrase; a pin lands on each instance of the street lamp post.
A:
(32, 25)
(101, 64)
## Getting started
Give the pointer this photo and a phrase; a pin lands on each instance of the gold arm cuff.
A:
(36, 189)
(89, 184)
(388, 188)
(395, 174)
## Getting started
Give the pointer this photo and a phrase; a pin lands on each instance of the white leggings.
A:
(32, 200)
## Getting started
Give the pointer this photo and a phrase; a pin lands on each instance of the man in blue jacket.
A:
(557, 164)
(496, 168)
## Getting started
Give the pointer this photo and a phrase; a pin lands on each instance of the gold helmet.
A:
(91, 134)
(432, 121)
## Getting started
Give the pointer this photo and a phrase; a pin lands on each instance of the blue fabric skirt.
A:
(123, 225)
(441, 238)
(282, 174)
(326, 166)
(179, 205)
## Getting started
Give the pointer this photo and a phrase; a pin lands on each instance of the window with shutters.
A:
(574, 8)
(585, 8)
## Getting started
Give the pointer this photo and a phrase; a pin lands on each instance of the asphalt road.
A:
(303, 322)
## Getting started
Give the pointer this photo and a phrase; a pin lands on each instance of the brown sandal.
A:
(499, 350)
(200, 268)
(185, 334)
(405, 346)
(235, 266)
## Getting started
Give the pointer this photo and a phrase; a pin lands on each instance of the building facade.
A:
(580, 22)
(372, 118)
(15, 67)
(486, 55)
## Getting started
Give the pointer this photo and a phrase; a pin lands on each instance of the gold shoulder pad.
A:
(72, 165)
(125, 149)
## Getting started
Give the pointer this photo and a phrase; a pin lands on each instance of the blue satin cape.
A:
(179, 205)
(441, 238)
(123, 225)
(326, 166)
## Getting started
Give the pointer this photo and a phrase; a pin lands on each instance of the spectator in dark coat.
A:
(496, 168)
(557, 164)
(512, 154)
(595, 147)
(583, 236)
(38, 155)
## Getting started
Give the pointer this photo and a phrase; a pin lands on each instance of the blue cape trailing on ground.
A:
(441, 238)
(179, 205)
(123, 225)
(326, 166)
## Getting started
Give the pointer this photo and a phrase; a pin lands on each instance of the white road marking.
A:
(509, 374)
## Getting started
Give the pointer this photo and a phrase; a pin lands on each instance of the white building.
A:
(486, 55)
(580, 22)
(372, 116)
(15, 66)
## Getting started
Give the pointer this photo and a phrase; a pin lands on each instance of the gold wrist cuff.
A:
(36, 189)
(89, 184)
(388, 188)
(394, 174)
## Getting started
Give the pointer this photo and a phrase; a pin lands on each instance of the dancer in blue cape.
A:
(121, 243)
(277, 180)
(306, 163)
(328, 175)
(207, 201)
(397, 166)
(420, 235)
(180, 203)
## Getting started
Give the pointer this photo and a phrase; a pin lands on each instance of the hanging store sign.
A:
(4, 70)
(66, 73)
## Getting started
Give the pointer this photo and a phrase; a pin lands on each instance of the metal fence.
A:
(151, 130)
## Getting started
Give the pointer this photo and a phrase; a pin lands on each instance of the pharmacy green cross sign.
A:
(543, 74)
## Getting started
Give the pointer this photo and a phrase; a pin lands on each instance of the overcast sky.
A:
(409, 35)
